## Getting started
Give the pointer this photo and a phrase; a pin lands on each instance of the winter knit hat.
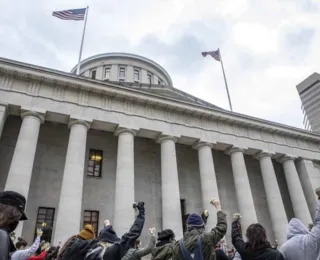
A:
(195, 220)
(87, 232)
(107, 234)
(166, 234)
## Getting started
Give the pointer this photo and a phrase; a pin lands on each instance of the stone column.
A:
(124, 214)
(3, 117)
(298, 199)
(70, 203)
(242, 186)
(276, 208)
(310, 182)
(209, 187)
(171, 208)
(21, 167)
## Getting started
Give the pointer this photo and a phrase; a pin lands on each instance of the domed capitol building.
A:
(84, 148)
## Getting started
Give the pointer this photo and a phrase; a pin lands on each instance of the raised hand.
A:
(236, 216)
(152, 231)
(39, 232)
(216, 202)
(106, 222)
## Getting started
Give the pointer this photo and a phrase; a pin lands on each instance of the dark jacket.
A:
(208, 239)
(6, 245)
(120, 248)
(221, 255)
(77, 249)
(262, 253)
(136, 254)
(163, 251)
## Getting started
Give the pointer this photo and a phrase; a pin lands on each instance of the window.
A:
(149, 78)
(136, 75)
(45, 220)
(184, 216)
(94, 163)
(122, 74)
(91, 217)
(107, 73)
(93, 74)
(159, 81)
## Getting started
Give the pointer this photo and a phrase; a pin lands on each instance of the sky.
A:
(267, 47)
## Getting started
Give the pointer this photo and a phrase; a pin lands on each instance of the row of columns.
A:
(71, 198)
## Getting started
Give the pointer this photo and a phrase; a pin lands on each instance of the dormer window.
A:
(149, 78)
(136, 75)
(122, 74)
(107, 73)
(93, 74)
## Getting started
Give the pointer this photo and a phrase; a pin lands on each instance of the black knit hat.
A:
(15, 199)
(166, 235)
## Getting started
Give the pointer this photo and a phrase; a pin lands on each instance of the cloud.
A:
(268, 47)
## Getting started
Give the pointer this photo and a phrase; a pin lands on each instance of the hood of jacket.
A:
(296, 227)
(107, 234)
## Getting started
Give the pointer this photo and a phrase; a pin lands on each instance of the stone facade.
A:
(155, 148)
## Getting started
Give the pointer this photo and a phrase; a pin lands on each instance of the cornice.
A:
(32, 72)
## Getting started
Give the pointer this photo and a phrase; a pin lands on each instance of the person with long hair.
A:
(12, 206)
(22, 253)
(257, 247)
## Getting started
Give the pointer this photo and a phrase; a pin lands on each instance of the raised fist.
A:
(216, 202)
(236, 216)
(39, 232)
(106, 222)
(140, 206)
(152, 231)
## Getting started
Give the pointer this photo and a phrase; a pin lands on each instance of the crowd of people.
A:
(197, 244)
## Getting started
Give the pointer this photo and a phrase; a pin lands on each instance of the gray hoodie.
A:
(26, 253)
(302, 244)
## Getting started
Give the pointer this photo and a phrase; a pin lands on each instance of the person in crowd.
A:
(22, 253)
(107, 237)
(135, 253)
(77, 246)
(120, 248)
(12, 210)
(257, 247)
(52, 253)
(43, 253)
(302, 243)
(164, 247)
(196, 241)
(220, 254)
(41, 247)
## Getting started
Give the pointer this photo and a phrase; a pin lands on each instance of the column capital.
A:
(34, 114)
(285, 158)
(305, 159)
(162, 138)
(78, 122)
(262, 154)
(234, 149)
(121, 130)
(200, 144)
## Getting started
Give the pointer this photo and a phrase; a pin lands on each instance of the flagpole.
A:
(225, 81)
(83, 33)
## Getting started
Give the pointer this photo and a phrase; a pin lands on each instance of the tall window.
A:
(107, 73)
(45, 220)
(136, 75)
(122, 74)
(149, 78)
(91, 217)
(159, 81)
(93, 74)
(184, 216)
(95, 163)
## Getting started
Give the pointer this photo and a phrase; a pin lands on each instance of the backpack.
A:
(196, 254)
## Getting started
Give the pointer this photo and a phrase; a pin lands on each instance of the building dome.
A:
(124, 67)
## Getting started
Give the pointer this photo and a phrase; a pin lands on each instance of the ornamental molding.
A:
(113, 97)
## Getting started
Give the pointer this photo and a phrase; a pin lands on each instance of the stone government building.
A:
(83, 148)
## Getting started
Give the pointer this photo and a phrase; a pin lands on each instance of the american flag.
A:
(213, 54)
(72, 14)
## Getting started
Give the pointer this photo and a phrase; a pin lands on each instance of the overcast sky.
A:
(267, 46)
